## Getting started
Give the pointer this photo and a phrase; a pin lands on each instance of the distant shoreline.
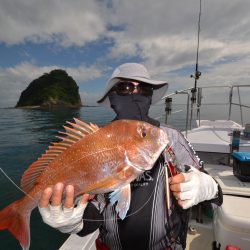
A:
(51, 107)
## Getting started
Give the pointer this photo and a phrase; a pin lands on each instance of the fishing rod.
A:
(197, 75)
(192, 97)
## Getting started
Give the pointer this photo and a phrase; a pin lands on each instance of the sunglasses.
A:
(127, 88)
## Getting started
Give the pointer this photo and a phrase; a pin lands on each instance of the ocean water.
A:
(24, 136)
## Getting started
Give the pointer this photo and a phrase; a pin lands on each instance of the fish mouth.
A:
(163, 139)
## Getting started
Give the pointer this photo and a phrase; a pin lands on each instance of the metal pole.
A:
(187, 112)
(241, 116)
(193, 100)
(230, 103)
(168, 108)
(199, 97)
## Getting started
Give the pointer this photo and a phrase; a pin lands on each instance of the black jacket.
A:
(148, 224)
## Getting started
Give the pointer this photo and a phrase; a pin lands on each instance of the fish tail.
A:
(15, 218)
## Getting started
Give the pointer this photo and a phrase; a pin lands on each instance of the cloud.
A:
(63, 22)
(14, 80)
(164, 34)
(235, 72)
(123, 46)
(161, 34)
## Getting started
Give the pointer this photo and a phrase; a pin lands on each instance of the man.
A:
(148, 224)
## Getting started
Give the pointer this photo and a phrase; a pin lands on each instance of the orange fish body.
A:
(94, 161)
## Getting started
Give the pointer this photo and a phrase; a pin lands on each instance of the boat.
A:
(217, 142)
(211, 227)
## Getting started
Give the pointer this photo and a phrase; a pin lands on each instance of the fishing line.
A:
(16, 184)
(135, 212)
(138, 210)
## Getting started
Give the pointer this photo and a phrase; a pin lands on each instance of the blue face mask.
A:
(132, 107)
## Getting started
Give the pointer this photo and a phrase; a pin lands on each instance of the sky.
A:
(89, 38)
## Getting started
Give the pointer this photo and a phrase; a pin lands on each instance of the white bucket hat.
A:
(137, 72)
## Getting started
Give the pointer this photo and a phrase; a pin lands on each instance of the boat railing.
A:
(194, 102)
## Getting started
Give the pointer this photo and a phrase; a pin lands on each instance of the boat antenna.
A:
(197, 74)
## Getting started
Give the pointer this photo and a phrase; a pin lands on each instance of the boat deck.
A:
(214, 136)
(202, 238)
(230, 184)
(80, 243)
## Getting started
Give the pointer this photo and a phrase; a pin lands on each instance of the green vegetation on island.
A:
(52, 89)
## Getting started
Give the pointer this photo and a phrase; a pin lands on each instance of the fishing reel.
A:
(196, 75)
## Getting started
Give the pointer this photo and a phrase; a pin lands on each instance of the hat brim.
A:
(158, 92)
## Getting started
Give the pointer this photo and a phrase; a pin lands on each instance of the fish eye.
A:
(143, 133)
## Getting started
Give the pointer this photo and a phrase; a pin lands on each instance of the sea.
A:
(26, 133)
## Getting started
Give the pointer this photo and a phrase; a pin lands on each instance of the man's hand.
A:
(64, 217)
(193, 187)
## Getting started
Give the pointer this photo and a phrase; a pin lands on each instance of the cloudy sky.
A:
(88, 38)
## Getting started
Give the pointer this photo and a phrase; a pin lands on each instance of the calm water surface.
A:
(26, 133)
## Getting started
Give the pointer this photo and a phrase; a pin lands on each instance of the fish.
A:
(94, 160)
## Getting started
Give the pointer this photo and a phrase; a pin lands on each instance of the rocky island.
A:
(54, 89)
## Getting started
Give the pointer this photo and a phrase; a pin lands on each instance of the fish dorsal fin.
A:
(73, 134)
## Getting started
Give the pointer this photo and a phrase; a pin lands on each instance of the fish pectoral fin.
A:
(123, 198)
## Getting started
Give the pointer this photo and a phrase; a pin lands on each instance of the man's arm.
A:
(194, 186)
(183, 150)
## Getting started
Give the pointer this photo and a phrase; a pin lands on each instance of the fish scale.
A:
(94, 160)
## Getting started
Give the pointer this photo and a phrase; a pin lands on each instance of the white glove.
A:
(197, 187)
(66, 220)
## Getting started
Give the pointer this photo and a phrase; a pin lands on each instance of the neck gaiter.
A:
(132, 107)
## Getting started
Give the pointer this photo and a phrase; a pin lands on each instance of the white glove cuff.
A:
(66, 220)
(72, 229)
